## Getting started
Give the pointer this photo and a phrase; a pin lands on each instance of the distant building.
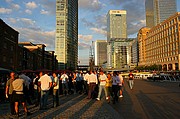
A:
(100, 52)
(66, 43)
(8, 46)
(159, 10)
(121, 54)
(162, 44)
(142, 35)
(116, 28)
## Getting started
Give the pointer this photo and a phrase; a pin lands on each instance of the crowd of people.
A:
(36, 89)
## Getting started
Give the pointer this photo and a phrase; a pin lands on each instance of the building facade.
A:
(121, 54)
(8, 46)
(116, 28)
(100, 52)
(163, 44)
(142, 35)
(66, 44)
(159, 10)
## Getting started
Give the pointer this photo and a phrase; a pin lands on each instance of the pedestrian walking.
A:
(92, 82)
(109, 86)
(121, 84)
(64, 79)
(55, 90)
(85, 82)
(102, 80)
(115, 85)
(9, 91)
(131, 80)
(46, 83)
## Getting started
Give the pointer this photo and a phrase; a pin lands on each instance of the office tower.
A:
(100, 52)
(159, 10)
(66, 44)
(116, 24)
(116, 28)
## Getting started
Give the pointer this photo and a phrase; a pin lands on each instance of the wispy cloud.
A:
(49, 6)
(5, 10)
(83, 46)
(31, 5)
(99, 31)
(91, 5)
(44, 12)
(28, 11)
(8, 1)
(85, 38)
(15, 6)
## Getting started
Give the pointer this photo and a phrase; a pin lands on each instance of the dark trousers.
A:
(91, 89)
(55, 97)
(115, 91)
(12, 106)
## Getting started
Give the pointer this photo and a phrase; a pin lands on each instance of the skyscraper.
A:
(100, 52)
(66, 44)
(116, 28)
(116, 24)
(158, 11)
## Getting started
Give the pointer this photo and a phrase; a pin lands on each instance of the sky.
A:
(35, 20)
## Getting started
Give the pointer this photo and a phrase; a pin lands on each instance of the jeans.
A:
(44, 98)
(131, 83)
(55, 97)
(102, 87)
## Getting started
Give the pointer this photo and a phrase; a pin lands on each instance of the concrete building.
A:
(159, 10)
(8, 46)
(66, 43)
(142, 35)
(162, 44)
(100, 52)
(116, 28)
(121, 54)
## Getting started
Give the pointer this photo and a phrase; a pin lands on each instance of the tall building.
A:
(116, 28)
(158, 11)
(66, 44)
(162, 44)
(116, 24)
(100, 52)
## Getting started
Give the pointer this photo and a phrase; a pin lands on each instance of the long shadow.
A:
(166, 109)
(54, 111)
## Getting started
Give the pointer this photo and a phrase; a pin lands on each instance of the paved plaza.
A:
(148, 100)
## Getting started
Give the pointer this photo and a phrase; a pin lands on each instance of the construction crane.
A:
(91, 57)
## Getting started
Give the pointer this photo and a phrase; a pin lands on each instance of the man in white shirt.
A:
(46, 84)
(64, 79)
(92, 82)
(102, 80)
(85, 83)
(55, 90)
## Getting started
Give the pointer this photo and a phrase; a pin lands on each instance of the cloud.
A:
(49, 6)
(12, 20)
(27, 22)
(5, 11)
(8, 1)
(28, 11)
(85, 38)
(37, 36)
(83, 46)
(91, 5)
(15, 6)
(99, 31)
(44, 12)
(31, 5)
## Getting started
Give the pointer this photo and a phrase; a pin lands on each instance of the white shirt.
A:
(92, 78)
(64, 78)
(121, 79)
(45, 80)
(102, 79)
(86, 76)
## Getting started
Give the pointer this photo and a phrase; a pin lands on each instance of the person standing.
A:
(46, 83)
(131, 80)
(92, 82)
(109, 86)
(64, 78)
(18, 95)
(85, 83)
(121, 83)
(55, 90)
(115, 85)
(102, 80)
(9, 91)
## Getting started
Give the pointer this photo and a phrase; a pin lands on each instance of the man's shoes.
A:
(121, 96)
(97, 99)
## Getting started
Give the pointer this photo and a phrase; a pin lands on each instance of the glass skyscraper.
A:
(159, 10)
(66, 44)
